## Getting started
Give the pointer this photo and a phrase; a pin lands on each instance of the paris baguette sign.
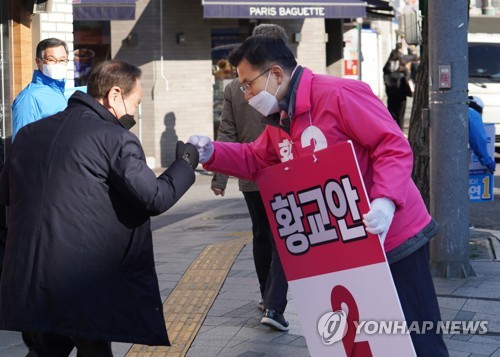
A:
(337, 272)
(283, 9)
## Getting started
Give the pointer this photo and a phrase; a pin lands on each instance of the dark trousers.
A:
(396, 104)
(272, 281)
(413, 280)
(51, 345)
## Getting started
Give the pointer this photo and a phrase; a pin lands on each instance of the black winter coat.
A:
(79, 251)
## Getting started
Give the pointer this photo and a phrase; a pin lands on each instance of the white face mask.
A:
(55, 71)
(264, 102)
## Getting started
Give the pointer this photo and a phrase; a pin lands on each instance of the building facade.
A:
(181, 52)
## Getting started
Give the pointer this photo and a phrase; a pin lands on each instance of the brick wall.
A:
(59, 24)
(311, 50)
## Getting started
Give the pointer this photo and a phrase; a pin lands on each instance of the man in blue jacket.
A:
(477, 135)
(44, 96)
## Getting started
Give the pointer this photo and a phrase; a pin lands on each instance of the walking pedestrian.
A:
(299, 104)
(242, 123)
(396, 83)
(79, 268)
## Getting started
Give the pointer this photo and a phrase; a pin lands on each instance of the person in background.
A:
(396, 84)
(477, 135)
(294, 101)
(79, 269)
(413, 65)
(44, 96)
(242, 123)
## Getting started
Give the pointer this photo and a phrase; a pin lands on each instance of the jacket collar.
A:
(84, 99)
(288, 103)
(40, 78)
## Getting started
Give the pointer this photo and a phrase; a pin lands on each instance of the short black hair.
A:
(49, 43)
(263, 51)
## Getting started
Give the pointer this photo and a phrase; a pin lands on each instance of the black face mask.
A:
(127, 121)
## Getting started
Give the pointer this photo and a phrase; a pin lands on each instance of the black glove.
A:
(187, 152)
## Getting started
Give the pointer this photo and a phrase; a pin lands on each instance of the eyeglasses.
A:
(246, 86)
(52, 60)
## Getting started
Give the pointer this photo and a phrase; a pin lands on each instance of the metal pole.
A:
(449, 135)
(359, 21)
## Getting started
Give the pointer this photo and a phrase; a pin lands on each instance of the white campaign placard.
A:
(337, 272)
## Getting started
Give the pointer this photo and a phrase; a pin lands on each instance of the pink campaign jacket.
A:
(329, 110)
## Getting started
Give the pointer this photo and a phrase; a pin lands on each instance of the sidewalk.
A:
(207, 278)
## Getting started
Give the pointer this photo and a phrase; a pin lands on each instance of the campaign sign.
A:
(337, 271)
(481, 181)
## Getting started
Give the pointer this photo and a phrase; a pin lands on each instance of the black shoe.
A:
(275, 320)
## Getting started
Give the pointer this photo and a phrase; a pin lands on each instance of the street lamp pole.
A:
(449, 135)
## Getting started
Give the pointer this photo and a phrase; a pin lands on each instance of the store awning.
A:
(379, 9)
(283, 9)
(103, 10)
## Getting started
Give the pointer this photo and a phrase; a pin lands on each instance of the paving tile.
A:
(486, 339)
(285, 339)
(483, 306)
(451, 302)
(274, 350)
(238, 352)
(459, 354)
(465, 316)
(448, 314)
(205, 351)
(446, 286)
(461, 337)
(461, 346)
(215, 320)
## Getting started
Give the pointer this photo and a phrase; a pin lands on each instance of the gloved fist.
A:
(204, 146)
(187, 152)
(379, 218)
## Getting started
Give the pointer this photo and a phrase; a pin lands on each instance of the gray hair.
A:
(49, 43)
(270, 30)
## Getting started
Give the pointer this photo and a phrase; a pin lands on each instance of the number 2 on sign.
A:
(340, 295)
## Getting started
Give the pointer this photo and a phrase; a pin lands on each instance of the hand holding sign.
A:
(379, 218)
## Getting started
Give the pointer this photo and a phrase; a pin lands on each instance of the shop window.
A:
(92, 43)
(224, 40)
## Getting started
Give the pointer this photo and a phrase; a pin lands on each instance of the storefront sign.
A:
(103, 10)
(481, 181)
(283, 9)
(337, 271)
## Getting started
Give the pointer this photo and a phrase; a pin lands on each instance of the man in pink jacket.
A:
(306, 112)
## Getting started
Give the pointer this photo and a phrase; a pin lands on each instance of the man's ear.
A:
(114, 95)
(109, 101)
(39, 63)
(277, 71)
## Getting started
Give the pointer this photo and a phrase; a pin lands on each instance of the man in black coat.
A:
(79, 268)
